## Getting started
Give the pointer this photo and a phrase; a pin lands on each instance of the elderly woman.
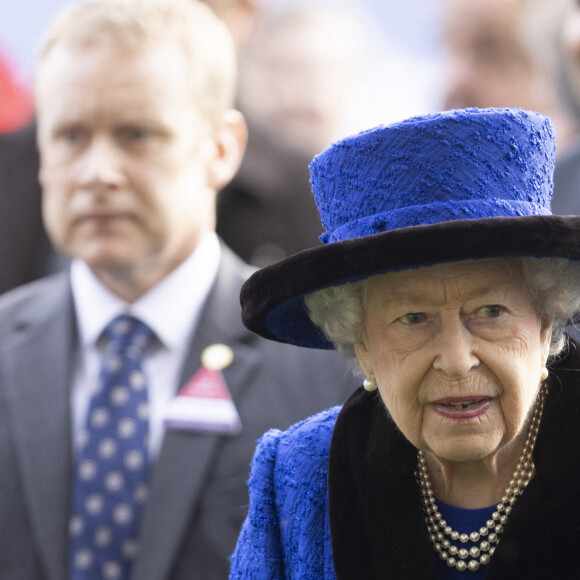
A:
(445, 274)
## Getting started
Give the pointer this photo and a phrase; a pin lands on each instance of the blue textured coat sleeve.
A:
(286, 535)
(258, 554)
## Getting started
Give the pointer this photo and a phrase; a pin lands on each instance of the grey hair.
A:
(554, 284)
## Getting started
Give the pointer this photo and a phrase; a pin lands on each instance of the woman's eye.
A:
(491, 310)
(413, 318)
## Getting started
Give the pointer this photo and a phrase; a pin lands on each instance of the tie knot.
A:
(128, 335)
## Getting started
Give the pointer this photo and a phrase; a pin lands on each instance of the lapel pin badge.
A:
(205, 402)
(217, 357)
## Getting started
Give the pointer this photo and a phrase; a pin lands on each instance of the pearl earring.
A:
(370, 385)
(544, 374)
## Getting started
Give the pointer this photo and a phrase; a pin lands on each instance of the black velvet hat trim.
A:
(273, 298)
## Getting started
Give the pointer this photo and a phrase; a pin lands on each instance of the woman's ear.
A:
(546, 323)
(231, 137)
(364, 358)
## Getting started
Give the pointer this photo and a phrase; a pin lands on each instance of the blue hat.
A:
(458, 185)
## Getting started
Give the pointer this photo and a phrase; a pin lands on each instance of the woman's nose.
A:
(454, 349)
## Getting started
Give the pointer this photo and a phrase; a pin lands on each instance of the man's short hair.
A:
(134, 25)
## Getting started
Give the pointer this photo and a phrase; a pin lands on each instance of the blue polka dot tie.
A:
(110, 483)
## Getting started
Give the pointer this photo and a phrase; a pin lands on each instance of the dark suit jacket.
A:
(25, 252)
(198, 496)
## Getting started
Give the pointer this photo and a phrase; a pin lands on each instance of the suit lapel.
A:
(38, 363)
(187, 457)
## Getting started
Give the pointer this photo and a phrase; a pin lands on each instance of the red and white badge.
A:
(205, 403)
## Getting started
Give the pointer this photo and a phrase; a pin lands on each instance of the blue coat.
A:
(286, 534)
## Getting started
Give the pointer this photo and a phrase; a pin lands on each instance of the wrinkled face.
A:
(487, 66)
(124, 157)
(457, 351)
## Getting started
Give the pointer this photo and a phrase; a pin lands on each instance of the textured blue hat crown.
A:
(461, 164)
(460, 185)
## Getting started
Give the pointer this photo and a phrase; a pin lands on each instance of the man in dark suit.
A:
(136, 135)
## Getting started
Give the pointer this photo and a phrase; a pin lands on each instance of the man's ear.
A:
(231, 137)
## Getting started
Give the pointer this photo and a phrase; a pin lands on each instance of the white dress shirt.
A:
(171, 309)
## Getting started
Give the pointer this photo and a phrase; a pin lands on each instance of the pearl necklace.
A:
(443, 537)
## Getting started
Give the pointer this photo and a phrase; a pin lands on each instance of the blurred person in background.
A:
(300, 77)
(130, 394)
(25, 253)
(570, 54)
(266, 211)
(567, 174)
(504, 53)
(299, 71)
(240, 16)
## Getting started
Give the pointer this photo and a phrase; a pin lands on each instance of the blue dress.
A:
(464, 521)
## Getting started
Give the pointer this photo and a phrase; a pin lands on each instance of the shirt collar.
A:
(171, 309)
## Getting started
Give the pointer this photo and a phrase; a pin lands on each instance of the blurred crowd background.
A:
(312, 71)
(391, 45)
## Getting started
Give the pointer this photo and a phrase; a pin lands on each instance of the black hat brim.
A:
(273, 298)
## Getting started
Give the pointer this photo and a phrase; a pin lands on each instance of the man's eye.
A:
(134, 133)
(72, 135)
(413, 318)
(491, 310)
